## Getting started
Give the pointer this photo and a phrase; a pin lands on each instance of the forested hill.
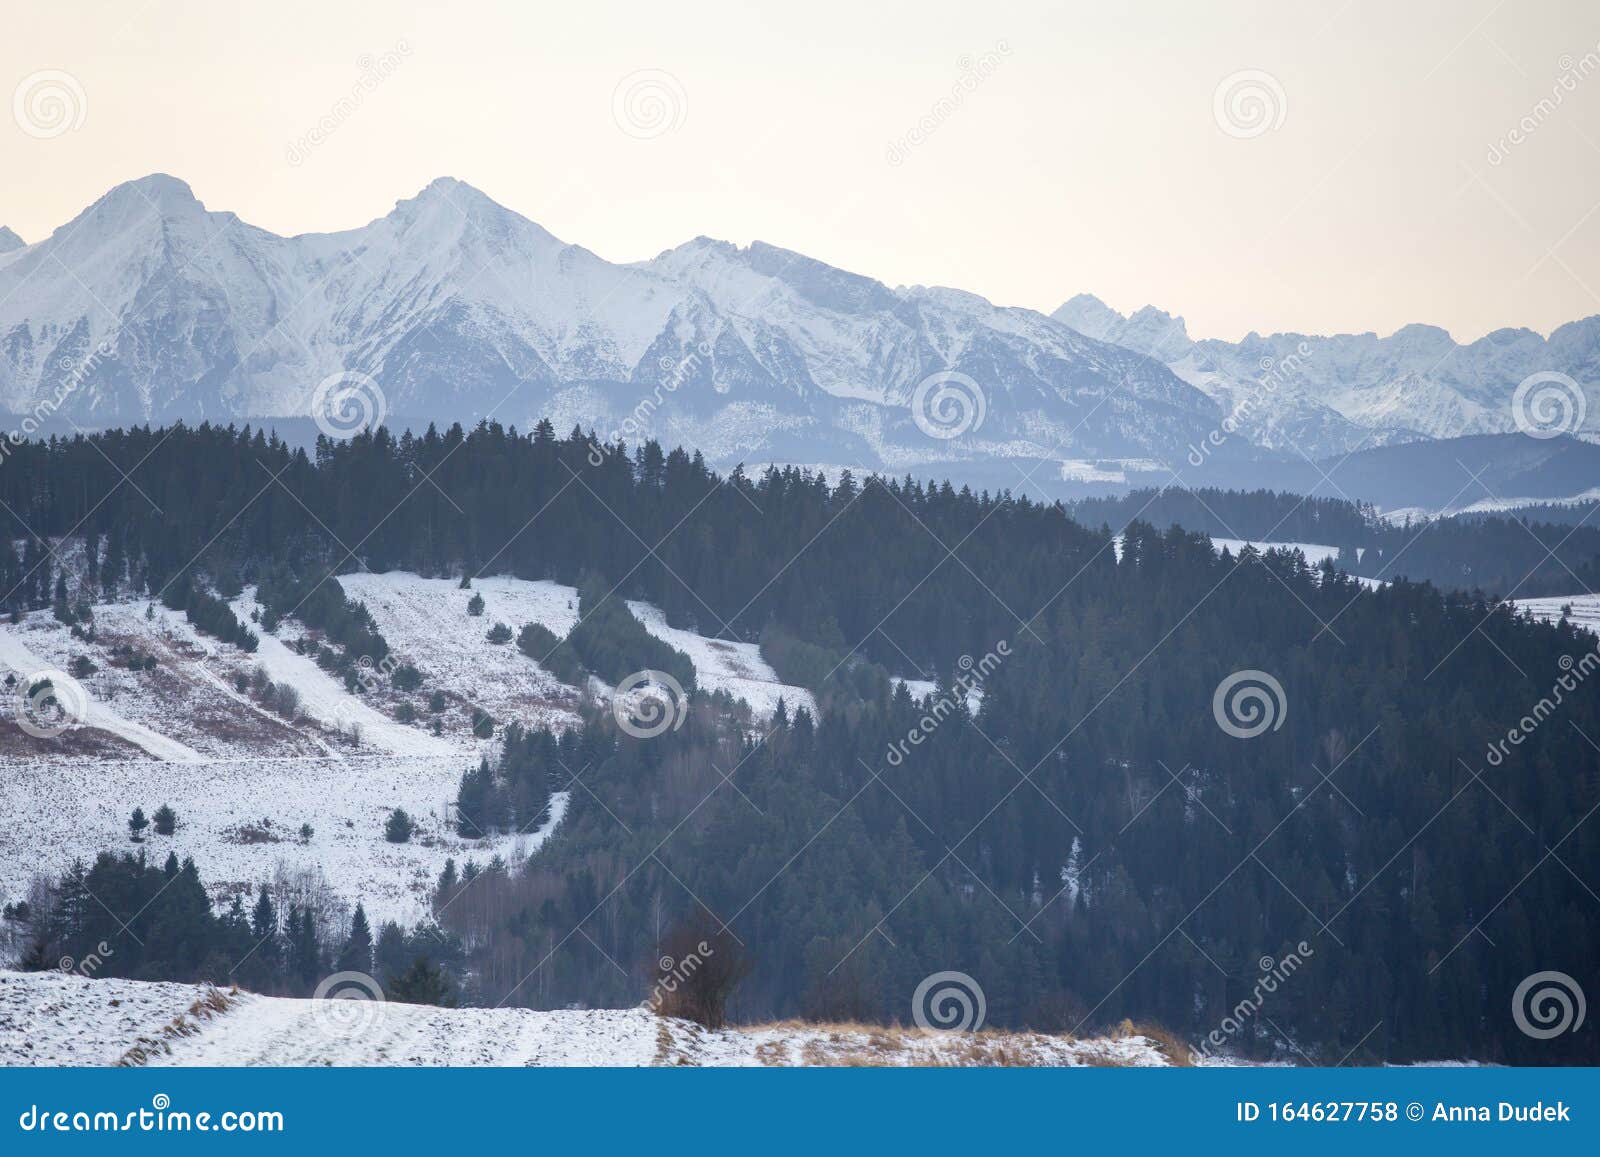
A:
(1096, 842)
(1533, 552)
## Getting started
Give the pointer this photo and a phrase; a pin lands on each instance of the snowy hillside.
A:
(148, 306)
(55, 1019)
(195, 732)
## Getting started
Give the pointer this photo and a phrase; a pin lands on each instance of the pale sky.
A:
(1089, 156)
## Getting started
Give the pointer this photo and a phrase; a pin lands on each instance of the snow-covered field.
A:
(720, 665)
(56, 1019)
(1585, 609)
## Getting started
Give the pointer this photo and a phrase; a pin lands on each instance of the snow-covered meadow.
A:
(56, 1019)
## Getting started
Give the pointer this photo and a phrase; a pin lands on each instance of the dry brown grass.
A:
(211, 1003)
(1169, 1044)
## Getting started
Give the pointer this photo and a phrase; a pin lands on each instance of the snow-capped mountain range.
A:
(149, 307)
(1328, 395)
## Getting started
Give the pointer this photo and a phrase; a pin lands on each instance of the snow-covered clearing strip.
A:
(1315, 552)
(720, 665)
(1585, 609)
(55, 1019)
(16, 656)
(425, 622)
(323, 698)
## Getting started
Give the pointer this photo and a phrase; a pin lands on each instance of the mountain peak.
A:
(9, 240)
(1090, 316)
(162, 190)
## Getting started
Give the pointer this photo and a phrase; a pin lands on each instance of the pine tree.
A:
(356, 955)
(423, 983)
(137, 824)
(398, 828)
(165, 820)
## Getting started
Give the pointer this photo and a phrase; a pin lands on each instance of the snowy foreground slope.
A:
(56, 1019)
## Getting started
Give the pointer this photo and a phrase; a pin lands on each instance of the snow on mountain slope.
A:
(135, 707)
(425, 622)
(1330, 394)
(720, 665)
(56, 1019)
(325, 699)
(147, 306)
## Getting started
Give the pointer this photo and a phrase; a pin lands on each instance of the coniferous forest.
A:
(1084, 839)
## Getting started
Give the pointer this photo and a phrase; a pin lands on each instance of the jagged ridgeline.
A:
(1083, 837)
